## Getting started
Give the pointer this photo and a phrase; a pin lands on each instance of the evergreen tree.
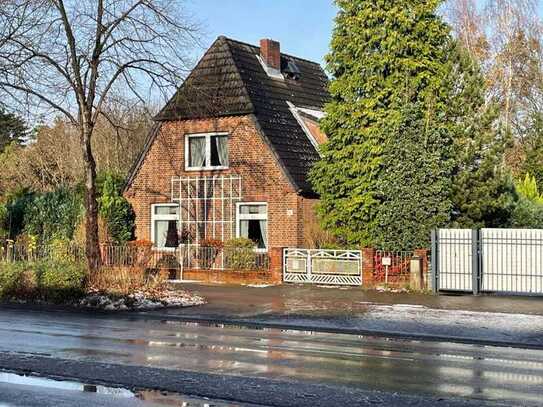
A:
(483, 193)
(114, 208)
(12, 129)
(389, 62)
(533, 148)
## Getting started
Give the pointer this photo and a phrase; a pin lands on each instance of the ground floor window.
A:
(252, 223)
(164, 225)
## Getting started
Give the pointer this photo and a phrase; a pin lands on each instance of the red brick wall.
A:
(250, 157)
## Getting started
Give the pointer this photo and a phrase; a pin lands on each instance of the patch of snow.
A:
(487, 325)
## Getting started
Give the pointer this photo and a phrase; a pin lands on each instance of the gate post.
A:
(309, 266)
(434, 262)
(276, 264)
(368, 266)
(475, 253)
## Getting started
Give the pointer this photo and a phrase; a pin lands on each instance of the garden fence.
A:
(131, 255)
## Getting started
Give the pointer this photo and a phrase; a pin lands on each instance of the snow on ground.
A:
(523, 328)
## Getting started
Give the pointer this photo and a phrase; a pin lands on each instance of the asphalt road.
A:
(441, 370)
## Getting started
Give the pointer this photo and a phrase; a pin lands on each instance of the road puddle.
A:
(145, 397)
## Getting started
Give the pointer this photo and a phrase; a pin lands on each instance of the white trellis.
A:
(207, 205)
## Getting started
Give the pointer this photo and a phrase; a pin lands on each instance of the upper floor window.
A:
(206, 151)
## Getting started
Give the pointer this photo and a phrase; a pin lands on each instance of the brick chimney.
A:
(271, 53)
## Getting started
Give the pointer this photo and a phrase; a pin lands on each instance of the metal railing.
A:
(392, 266)
(11, 251)
(223, 258)
(131, 255)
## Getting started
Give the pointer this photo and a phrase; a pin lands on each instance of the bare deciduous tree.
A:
(505, 37)
(67, 57)
(467, 23)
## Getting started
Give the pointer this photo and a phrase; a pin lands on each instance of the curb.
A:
(337, 330)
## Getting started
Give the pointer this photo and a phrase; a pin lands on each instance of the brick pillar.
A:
(276, 265)
(423, 254)
(368, 266)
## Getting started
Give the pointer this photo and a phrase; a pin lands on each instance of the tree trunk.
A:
(92, 244)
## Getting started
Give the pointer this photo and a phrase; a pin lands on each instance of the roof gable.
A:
(230, 80)
(213, 88)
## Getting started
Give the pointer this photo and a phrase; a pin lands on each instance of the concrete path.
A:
(268, 366)
(512, 321)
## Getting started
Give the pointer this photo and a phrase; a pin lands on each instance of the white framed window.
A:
(206, 151)
(165, 226)
(252, 223)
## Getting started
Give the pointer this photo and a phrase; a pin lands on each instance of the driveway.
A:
(240, 301)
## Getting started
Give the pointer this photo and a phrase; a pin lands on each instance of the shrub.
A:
(239, 243)
(127, 280)
(527, 214)
(529, 189)
(54, 214)
(17, 205)
(60, 280)
(17, 280)
(315, 237)
(239, 254)
(115, 209)
(81, 230)
(4, 222)
(63, 250)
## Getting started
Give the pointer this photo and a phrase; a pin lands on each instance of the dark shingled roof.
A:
(230, 80)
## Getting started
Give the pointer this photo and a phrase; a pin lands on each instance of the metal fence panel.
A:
(336, 267)
(506, 261)
(512, 261)
(454, 260)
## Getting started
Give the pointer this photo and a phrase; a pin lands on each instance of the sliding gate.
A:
(334, 267)
(488, 260)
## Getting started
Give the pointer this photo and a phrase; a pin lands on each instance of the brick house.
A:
(229, 154)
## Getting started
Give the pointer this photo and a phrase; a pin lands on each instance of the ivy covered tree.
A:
(414, 183)
(389, 62)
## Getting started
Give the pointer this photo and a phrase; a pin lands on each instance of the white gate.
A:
(335, 267)
(488, 260)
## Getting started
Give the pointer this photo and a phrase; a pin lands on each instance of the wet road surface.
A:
(513, 376)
